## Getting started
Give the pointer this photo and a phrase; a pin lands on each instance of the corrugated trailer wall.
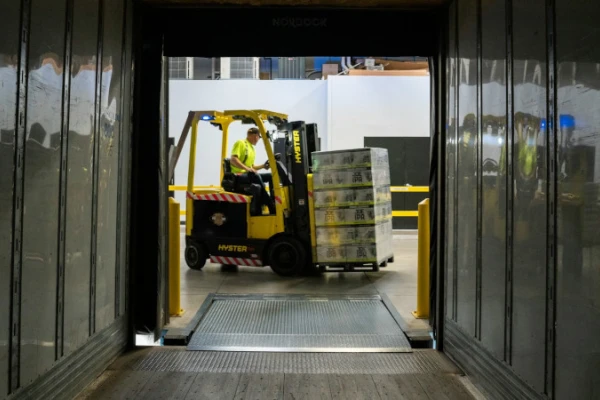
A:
(523, 199)
(65, 84)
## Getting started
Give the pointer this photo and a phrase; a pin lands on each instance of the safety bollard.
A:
(174, 259)
(423, 262)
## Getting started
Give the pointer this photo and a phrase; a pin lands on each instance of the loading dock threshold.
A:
(297, 323)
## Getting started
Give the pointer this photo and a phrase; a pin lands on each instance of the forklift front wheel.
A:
(286, 256)
(195, 256)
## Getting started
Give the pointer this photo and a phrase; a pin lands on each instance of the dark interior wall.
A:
(577, 193)
(9, 49)
(493, 180)
(409, 165)
(466, 174)
(522, 303)
(45, 73)
(64, 120)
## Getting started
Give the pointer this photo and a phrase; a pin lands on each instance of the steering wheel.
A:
(277, 158)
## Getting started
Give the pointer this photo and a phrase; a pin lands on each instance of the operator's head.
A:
(253, 135)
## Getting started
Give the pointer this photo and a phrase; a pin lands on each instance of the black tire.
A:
(383, 264)
(286, 256)
(195, 255)
(390, 260)
(376, 267)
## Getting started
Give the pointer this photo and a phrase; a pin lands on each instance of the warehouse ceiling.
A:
(422, 4)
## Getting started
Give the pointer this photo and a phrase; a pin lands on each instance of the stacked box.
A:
(361, 196)
(351, 178)
(353, 206)
(352, 215)
(350, 159)
(343, 235)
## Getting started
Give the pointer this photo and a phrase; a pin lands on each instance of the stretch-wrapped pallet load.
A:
(353, 206)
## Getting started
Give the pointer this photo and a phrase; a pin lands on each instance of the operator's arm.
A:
(239, 164)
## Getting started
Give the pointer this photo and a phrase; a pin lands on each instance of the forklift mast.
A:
(299, 148)
(313, 141)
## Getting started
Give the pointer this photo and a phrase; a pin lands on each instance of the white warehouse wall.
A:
(301, 99)
(362, 106)
(345, 108)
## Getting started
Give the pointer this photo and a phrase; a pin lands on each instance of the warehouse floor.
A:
(398, 281)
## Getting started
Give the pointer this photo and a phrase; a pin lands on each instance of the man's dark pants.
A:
(260, 179)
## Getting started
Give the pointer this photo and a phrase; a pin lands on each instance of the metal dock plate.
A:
(340, 324)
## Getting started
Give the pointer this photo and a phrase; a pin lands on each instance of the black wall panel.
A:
(42, 183)
(108, 137)
(466, 196)
(79, 178)
(529, 173)
(9, 50)
(409, 165)
(493, 167)
(124, 165)
(578, 166)
(451, 164)
(539, 119)
(50, 127)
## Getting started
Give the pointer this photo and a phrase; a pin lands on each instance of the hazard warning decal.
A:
(227, 197)
(235, 261)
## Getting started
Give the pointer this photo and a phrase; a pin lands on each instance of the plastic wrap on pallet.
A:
(360, 215)
(363, 196)
(349, 159)
(353, 206)
(340, 235)
(348, 178)
(361, 253)
(331, 254)
(335, 235)
(362, 244)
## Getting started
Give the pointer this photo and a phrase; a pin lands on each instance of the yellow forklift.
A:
(228, 225)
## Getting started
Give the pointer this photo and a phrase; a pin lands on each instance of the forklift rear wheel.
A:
(286, 256)
(195, 256)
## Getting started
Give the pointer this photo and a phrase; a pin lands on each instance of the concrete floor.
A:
(398, 281)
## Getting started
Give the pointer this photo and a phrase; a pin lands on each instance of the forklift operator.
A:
(242, 164)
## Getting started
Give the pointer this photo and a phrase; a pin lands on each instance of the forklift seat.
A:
(227, 165)
(231, 183)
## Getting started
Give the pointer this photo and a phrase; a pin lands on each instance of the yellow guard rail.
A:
(174, 259)
(423, 262)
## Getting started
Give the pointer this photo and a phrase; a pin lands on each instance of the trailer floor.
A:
(174, 373)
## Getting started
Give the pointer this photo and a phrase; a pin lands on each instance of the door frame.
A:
(166, 30)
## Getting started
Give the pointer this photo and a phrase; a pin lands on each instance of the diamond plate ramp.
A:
(298, 325)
